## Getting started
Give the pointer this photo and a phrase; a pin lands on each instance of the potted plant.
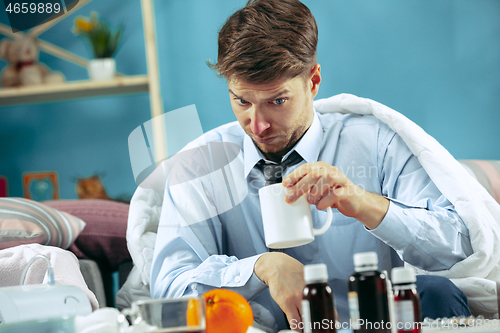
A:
(103, 42)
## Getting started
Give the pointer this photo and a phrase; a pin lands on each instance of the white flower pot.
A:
(102, 69)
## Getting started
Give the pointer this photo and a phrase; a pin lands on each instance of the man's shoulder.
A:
(350, 120)
(357, 127)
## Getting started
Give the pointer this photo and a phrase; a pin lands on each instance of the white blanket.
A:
(142, 226)
(476, 275)
(65, 265)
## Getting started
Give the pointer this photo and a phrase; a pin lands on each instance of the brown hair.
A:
(267, 40)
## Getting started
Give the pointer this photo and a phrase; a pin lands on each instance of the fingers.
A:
(302, 186)
(293, 316)
(323, 187)
(292, 307)
(286, 282)
(293, 177)
(316, 179)
(330, 197)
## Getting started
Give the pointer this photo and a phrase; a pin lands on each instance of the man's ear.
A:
(315, 79)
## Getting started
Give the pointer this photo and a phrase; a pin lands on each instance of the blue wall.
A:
(437, 62)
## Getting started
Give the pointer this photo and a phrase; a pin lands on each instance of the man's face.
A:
(275, 115)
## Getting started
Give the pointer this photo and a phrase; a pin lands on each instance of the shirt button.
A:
(237, 279)
(406, 211)
(194, 286)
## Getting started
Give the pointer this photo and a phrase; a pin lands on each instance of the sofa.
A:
(92, 229)
(101, 247)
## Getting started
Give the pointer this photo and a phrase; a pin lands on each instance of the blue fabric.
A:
(211, 232)
(440, 298)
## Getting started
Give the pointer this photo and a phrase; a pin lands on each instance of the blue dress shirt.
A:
(211, 234)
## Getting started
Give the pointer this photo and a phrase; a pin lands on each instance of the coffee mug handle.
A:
(327, 224)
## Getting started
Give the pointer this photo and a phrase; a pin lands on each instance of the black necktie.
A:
(273, 173)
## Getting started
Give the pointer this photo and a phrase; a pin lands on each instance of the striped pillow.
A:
(487, 173)
(24, 221)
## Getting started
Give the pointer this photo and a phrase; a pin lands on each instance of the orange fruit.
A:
(227, 312)
(192, 313)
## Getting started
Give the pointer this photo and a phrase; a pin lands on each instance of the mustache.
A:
(268, 135)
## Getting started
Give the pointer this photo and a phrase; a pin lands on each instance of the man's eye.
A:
(279, 101)
(241, 101)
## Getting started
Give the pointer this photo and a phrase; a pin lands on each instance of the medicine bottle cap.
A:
(403, 275)
(365, 258)
(315, 273)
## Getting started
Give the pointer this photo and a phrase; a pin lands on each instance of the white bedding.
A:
(13, 260)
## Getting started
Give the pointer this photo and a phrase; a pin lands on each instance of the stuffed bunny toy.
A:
(23, 68)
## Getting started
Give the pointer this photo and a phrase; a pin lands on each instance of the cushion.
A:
(24, 221)
(104, 237)
(487, 173)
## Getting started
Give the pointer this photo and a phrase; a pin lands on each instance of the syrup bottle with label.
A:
(367, 297)
(318, 308)
(406, 301)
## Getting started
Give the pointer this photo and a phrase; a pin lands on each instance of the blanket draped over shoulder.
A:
(476, 275)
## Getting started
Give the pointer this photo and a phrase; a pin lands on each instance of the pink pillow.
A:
(104, 237)
(24, 221)
(487, 174)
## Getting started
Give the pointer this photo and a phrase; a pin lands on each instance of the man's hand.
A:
(326, 186)
(284, 276)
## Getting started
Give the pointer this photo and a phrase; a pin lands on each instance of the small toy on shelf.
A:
(23, 68)
(92, 187)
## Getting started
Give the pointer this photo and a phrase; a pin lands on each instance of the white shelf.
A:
(121, 85)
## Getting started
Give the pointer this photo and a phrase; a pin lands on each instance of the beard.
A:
(284, 141)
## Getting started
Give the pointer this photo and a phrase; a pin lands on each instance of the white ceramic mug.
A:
(287, 224)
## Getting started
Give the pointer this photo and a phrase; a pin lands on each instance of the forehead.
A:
(241, 86)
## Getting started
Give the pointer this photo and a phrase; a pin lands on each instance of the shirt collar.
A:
(308, 146)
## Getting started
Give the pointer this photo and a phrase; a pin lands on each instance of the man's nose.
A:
(258, 121)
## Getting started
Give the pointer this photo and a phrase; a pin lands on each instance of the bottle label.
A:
(306, 316)
(352, 298)
(405, 316)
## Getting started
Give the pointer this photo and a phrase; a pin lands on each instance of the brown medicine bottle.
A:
(367, 297)
(406, 301)
(318, 309)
